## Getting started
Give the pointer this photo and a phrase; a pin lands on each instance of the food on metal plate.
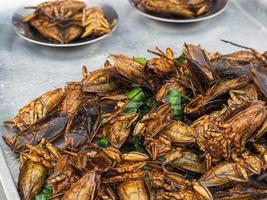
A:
(171, 127)
(181, 8)
(63, 21)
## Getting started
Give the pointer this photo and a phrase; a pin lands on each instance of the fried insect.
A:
(35, 163)
(119, 128)
(63, 21)
(187, 9)
(133, 190)
(95, 23)
(238, 171)
(47, 29)
(36, 110)
(84, 188)
(31, 180)
(123, 141)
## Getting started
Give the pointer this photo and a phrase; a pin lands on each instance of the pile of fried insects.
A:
(187, 127)
(63, 21)
(179, 8)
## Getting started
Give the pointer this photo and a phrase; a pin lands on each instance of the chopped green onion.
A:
(138, 144)
(174, 98)
(102, 142)
(181, 59)
(136, 96)
(141, 60)
(46, 193)
(132, 107)
(42, 197)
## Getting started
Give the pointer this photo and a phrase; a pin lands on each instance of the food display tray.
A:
(27, 70)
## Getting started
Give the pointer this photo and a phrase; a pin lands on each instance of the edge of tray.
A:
(6, 180)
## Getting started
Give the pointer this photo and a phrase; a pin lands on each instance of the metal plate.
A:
(216, 8)
(28, 33)
(27, 70)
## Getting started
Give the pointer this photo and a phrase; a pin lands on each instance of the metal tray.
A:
(27, 70)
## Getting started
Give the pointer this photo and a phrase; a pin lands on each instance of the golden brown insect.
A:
(154, 122)
(63, 175)
(238, 171)
(243, 96)
(238, 129)
(180, 132)
(35, 161)
(128, 68)
(173, 181)
(134, 157)
(95, 23)
(185, 159)
(36, 110)
(133, 190)
(54, 126)
(31, 179)
(58, 11)
(44, 153)
(47, 29)
(92, 159)
(84, 188)
(100, 81)
(119, 128)
(72, 33)
(201, 104)
(163, 65)
(157, 146)
(182, 8)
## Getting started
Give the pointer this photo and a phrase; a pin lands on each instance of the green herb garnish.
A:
(147, 106)
(102, 142)
(46, 193)
(136, 96)
(141, 60)
(174, 98)
(138, 144)
(181, 59)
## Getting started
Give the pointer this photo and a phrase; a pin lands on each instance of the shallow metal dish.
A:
(216, 8)
(30, 34)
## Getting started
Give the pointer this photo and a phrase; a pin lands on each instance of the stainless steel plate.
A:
(216, 8)
(27, 70)
(30, 34)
